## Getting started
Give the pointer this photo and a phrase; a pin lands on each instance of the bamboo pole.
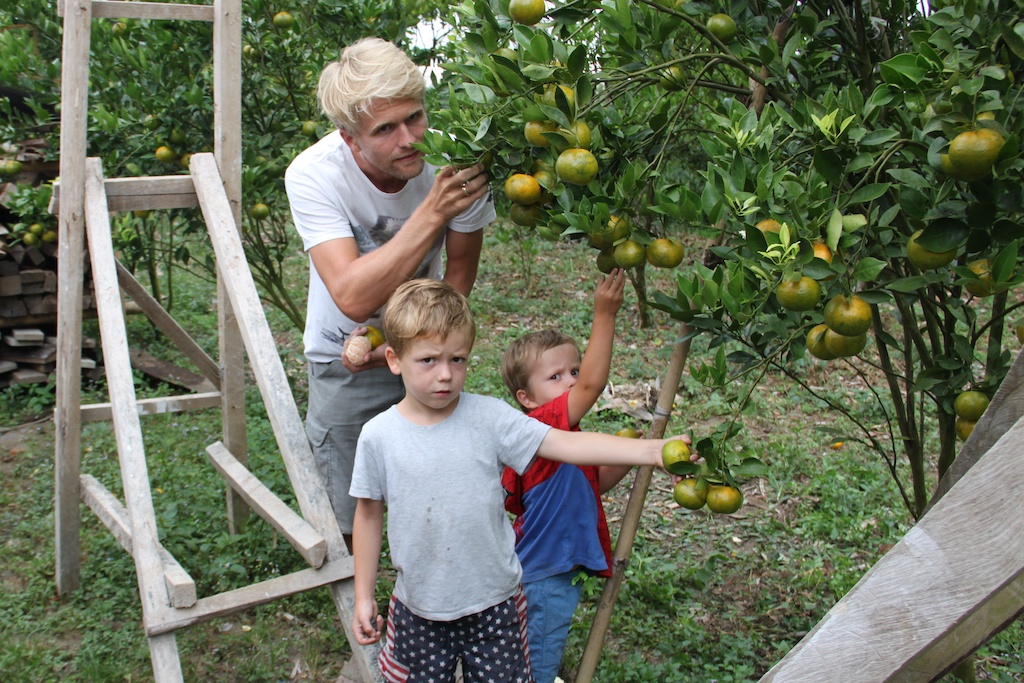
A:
(634, 507)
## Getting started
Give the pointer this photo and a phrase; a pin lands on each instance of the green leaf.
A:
(904, 70)
(869, 193)
(868, 269)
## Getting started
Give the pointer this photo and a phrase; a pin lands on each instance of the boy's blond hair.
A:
(426, 308)
(522, 354)
(369, 69)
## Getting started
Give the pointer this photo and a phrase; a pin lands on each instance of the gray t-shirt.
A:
(450, 538)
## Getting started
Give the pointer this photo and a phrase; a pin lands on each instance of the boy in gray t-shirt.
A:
(435, 459)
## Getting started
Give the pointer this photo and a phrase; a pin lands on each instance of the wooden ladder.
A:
(84, 199)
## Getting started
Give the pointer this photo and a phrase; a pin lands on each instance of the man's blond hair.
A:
(522, 354)
(426, 308)
(369, 69)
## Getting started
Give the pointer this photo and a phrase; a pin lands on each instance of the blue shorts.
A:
(491, 644)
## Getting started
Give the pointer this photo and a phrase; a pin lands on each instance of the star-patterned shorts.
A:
(491, 644)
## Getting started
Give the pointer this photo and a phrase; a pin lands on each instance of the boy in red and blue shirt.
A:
(560, 523)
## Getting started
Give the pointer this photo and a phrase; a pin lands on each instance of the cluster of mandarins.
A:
(847, 319)
(575, 165)
(700, 486)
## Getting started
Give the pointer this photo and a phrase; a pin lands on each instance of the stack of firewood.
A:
(28, 274)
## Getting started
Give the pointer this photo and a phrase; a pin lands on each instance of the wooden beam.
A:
(168, 325)
(95, 412)
(227, 150)
(124, 9)
(180, 586)
(138, 497)
(272, 381)
(168, 620)
(941, 592)
(74, 93)
(297, 531)
(150, 192)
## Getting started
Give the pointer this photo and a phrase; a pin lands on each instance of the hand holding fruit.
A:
(358, 353)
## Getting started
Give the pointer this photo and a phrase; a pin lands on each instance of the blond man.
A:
(372, 214)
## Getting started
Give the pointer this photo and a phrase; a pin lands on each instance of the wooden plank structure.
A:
(954, 580)
(84, 201)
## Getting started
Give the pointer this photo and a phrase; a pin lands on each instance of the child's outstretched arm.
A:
(592, 448)
(367, 530)
(597, 359)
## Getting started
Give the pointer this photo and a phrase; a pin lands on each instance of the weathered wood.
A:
(303, 537)
(941, 592)
(227, 144)
(180, 586)
(74, 93)
(155, 406)
(168, 325)
(273, 384)
(249, 596)
(127, 428)
(144, 193)
(147, 363)
(125, 9)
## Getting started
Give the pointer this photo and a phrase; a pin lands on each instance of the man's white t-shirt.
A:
(332, 198)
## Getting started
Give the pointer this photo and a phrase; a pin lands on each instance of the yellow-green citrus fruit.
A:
(522, 188)
(973, 152)
(722, 27)
(49, 236)
(283, 21)
(822, 251)
(375, 336)
(579, 135)
(606, 260)
(628, 432)
(724, 499)
(964, 428)
(165, 154)
(629, 254)
(617, 229)
(843, 346)
(970, 405)
(671, 78)
(665, 252)
(673, 454)
(309, 128)
(689, 495)
(260, 211)
(534, 132)
(801, 295)
(526, 215)
(848, 316)
(550, 99)
(526, 12)
(576, 166)
(768, 225)
(925, 259)
(816, 342)
(983, 285)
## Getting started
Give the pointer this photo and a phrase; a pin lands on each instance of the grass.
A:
(705, 598)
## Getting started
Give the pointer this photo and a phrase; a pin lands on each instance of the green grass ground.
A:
(706, 597)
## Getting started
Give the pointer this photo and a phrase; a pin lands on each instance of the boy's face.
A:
(434, 373)
(554, 373)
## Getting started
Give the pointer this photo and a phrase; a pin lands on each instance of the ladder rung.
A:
(149, 192)
(126, 9)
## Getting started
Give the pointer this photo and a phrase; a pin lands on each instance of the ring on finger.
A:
(465, 190)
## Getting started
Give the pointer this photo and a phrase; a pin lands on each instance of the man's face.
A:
(382, 148)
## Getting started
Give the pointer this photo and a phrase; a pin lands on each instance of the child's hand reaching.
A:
(609, 293)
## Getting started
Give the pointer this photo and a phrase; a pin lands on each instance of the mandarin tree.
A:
(834, 137)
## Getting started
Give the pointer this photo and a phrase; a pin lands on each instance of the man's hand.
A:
(370, 359)
(455, 190)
